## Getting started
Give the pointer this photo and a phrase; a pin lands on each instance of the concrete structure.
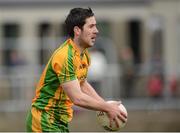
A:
(149, 27)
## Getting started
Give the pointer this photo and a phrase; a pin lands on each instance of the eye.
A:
(92, 25)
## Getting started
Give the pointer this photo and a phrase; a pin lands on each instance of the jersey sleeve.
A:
(64, 67)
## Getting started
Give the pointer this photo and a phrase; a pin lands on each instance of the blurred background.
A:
(135, 59)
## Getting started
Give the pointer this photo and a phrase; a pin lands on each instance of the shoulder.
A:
(64, 50)
(61, 54)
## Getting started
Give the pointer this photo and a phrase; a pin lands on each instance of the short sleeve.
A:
(64, 67)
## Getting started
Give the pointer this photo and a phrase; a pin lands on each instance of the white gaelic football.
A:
(104, 121)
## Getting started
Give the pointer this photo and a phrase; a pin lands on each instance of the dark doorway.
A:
(134, 31)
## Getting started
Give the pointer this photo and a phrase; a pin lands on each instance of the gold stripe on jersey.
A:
(66, 64)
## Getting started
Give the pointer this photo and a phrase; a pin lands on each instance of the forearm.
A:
(89, 102)
(89, 90)
(80, 98)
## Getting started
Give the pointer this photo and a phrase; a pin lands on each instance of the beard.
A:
(86, 43)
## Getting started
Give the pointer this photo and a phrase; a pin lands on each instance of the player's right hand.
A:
(114, 113)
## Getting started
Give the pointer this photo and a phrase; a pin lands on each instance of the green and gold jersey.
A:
(66, 64)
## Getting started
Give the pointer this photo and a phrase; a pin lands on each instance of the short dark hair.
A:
(77, 17)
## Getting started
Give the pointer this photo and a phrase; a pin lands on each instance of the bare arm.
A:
(89, 90)
(80, 98)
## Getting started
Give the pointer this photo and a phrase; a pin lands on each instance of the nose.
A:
(96, 30)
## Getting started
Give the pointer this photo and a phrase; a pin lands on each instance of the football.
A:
(104, 121)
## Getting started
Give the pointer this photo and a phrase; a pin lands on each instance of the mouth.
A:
(93, 38)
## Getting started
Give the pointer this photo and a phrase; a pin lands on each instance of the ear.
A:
(77, 31)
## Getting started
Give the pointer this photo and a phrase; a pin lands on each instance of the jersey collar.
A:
(76, 47)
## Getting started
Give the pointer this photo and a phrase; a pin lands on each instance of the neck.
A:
(79, 44)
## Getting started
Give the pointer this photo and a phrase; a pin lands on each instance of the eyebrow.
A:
(93, 24)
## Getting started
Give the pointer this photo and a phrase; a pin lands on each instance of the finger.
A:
(116, 122)
(111, 122)
(122, 118)
(124, 114)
